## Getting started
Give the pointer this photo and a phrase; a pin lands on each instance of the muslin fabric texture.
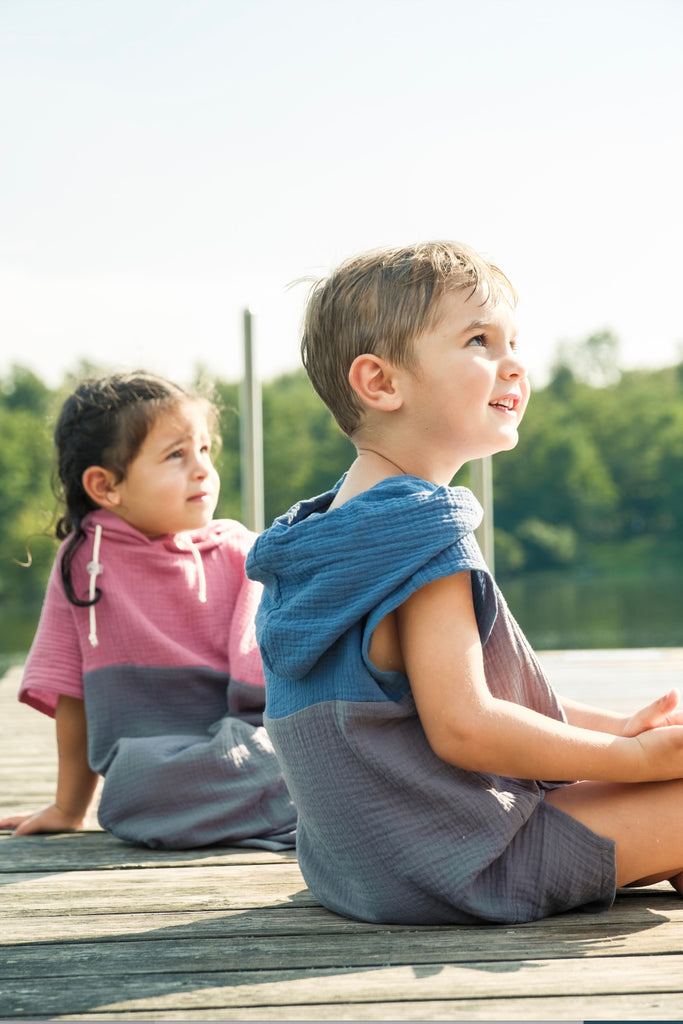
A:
(387, 831)
(171, 675)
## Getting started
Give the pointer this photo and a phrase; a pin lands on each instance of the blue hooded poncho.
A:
(387, 831)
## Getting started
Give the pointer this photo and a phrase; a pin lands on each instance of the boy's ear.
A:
(100, 486)
(375, 381)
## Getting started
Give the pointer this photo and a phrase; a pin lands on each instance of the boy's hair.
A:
(104, 422)
(379, 302)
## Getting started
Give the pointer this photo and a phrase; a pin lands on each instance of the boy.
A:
(421, 742)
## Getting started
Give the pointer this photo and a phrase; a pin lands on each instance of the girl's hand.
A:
(663, 711)
(50, 819)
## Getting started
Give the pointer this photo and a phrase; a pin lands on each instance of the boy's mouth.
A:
(508, 403)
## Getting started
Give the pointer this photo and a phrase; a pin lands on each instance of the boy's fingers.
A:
(661, 711)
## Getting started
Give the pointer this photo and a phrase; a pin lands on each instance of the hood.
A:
(95, 524)
(325, 571)
(123, 533)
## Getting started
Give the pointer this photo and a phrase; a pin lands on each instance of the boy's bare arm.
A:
(76, 781)
(468, 727)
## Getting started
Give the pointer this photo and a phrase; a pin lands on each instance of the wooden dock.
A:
(93, 929)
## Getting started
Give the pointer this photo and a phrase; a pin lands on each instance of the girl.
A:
(431, 761)
(145, 653)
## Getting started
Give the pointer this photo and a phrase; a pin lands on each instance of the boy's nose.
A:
(514, 366)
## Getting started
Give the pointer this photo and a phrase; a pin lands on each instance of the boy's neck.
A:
(372, 451)
(369, 468)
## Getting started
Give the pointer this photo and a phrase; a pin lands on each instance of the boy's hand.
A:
(50, 819)
(663, 711)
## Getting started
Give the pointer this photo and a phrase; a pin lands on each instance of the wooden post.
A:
(251, 435)
(482, 486)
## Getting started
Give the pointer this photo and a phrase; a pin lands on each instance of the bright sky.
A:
(165, 163)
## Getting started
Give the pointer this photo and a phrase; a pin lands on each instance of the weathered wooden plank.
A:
(619, 679)
(648, 921)
(155, 991)
(96, 929)
(40, 755)
(97, 850)
(35, 790)
(262, 947)
(635, 1006)
(140, 890)
(28, 767)
(188, 924)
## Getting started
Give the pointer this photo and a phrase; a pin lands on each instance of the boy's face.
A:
(171, 485)
(469, 389)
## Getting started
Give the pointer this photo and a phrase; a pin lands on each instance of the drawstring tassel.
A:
(94, 569)
(190, 546)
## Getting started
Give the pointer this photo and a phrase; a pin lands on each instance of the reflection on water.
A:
(562, 612)
(557, 611)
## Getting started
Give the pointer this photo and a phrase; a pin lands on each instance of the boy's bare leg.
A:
(644, 819)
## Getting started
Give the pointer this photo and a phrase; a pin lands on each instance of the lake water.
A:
(557, 611)
(562, 612)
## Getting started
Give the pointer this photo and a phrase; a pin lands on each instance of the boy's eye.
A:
(479, 339)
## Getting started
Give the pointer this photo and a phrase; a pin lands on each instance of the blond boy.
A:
(428, 755)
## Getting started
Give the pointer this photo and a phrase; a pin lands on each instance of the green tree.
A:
(228, 458)
(594, 360)
(26, 506)
(557, 475)
(634, 425)
(305, 452)
(22, 389)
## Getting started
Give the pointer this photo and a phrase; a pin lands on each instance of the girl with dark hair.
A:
(145, 651)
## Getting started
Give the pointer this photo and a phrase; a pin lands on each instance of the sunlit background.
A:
(166, 163)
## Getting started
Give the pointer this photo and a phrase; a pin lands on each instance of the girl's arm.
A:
(468, 727)
(76, 781)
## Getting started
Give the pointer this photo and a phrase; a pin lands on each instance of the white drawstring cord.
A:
(94, 569)
(201, 575)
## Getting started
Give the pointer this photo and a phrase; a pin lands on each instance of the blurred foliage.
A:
(598, 462)
(26, 502)
(596, 479)
(305, 452)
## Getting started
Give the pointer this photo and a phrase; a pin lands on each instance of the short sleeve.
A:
(245, 659)
(247, 691)
(54, 666)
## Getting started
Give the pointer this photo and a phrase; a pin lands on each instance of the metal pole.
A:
(482, 486)
(251, 435)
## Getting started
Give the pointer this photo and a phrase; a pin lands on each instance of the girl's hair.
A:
(104, 422)
(380, 302)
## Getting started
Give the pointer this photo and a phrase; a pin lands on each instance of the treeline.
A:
(596, 481)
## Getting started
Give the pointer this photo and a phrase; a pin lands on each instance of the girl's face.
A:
(171, 485)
